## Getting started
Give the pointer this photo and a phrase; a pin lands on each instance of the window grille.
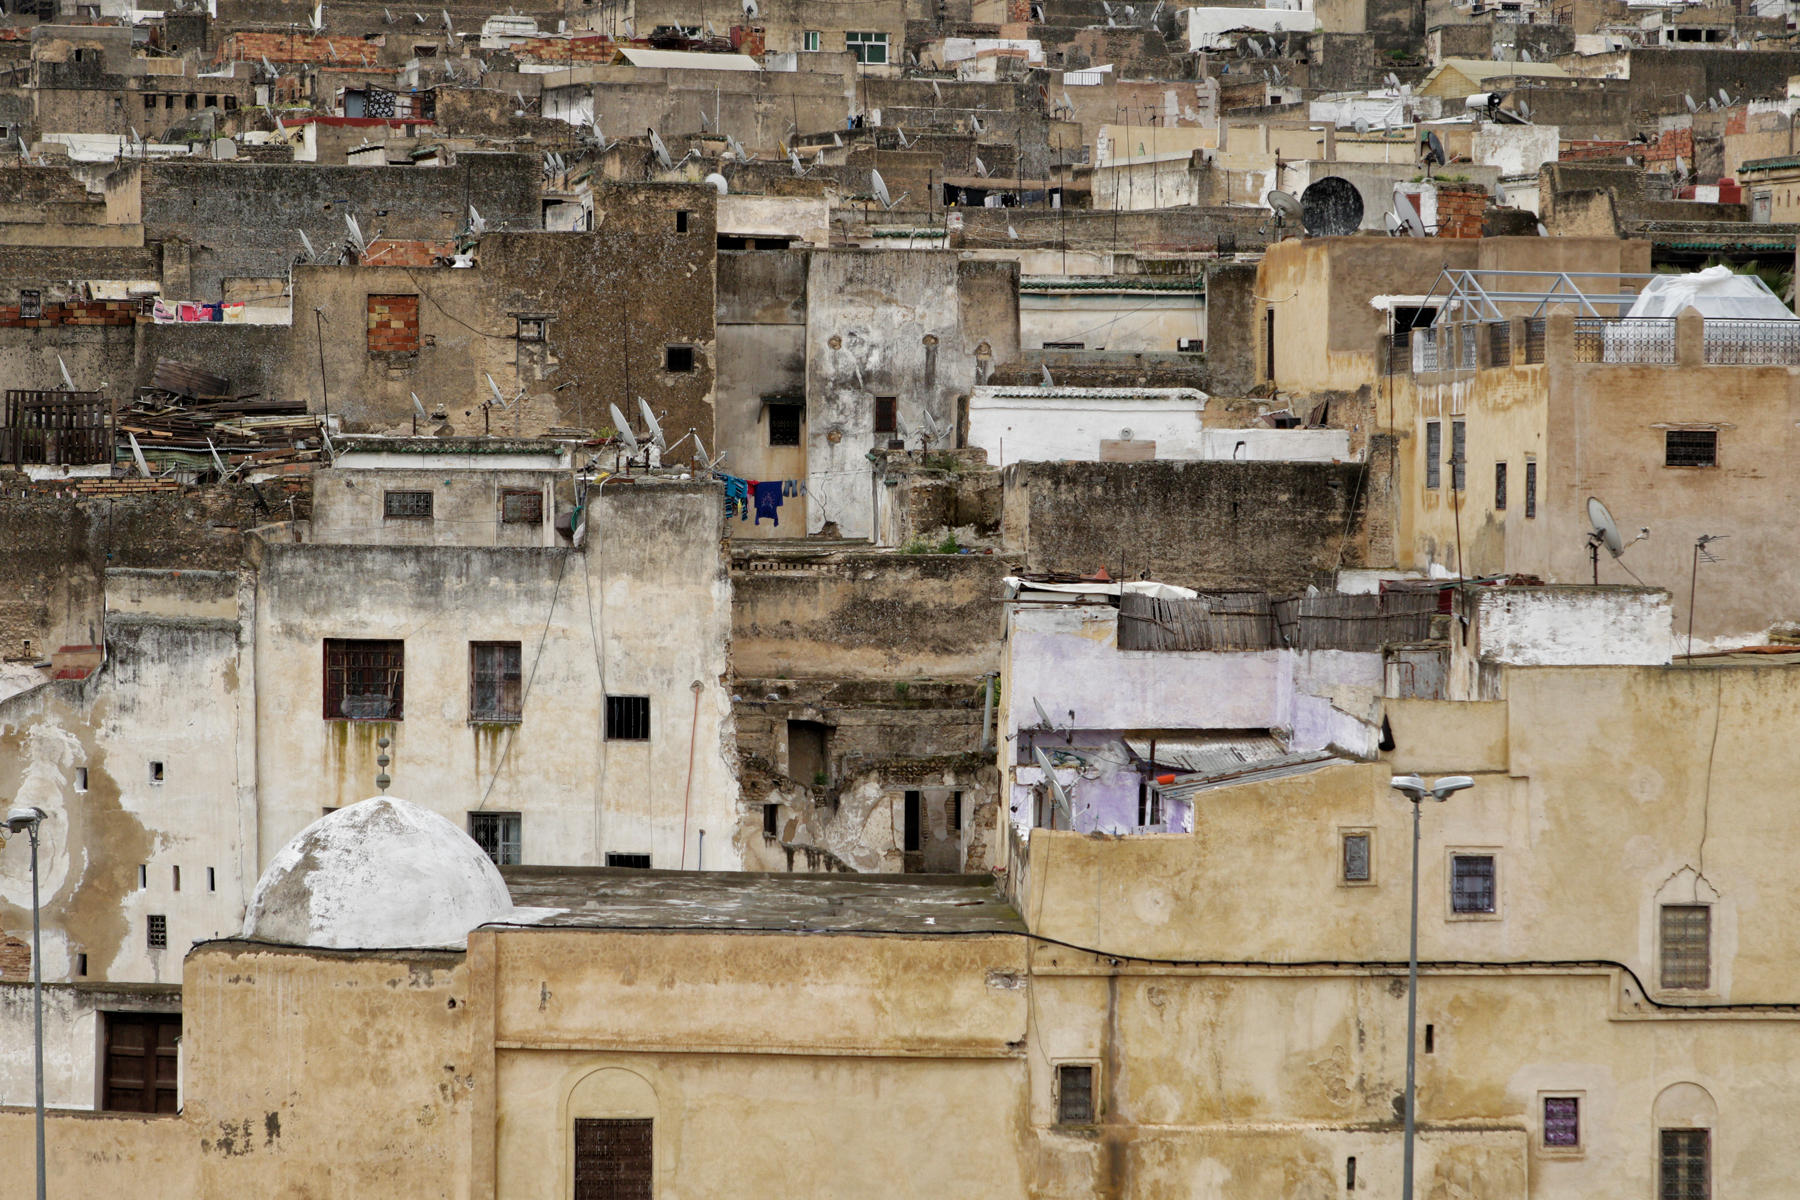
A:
(613, 1158)
(494, 681)
(1530, 489)
(1562, 1122)
(1356, 858)
(520, 506)
(1691, 447)
(1499, 487)
(628, 718)
(1534, 339)
(1434, 453)
(1472, 883)
(407, 506)
(1683, 1170)
(156, 932)
(498, 835)
(1458, 454)
(1074, 1095)
(784, 424)
(364, 680)
(1500, 344)
(1686, 946)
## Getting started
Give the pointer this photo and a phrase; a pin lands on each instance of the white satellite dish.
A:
(68, 382)
(624, 429)
(1060, 806)
(661, 151)
(651, 424)
(718, 183)
(1605, 532)
(1285, 207)
(880, 187)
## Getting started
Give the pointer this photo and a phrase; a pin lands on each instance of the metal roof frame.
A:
(1478, 294)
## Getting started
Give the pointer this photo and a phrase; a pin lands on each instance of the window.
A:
(31, 304)
(771, 820)
(494, 681)
(1430, 1039)
(149, 100)
(613, 1158)
(497, 833)
(521, 506)
(1458, 460)
(1149, 803)
(1065, 345)
(910, 822)
(953, 813)
(1686, 938)
(212, 101)
(1683, 1166)
(885, 414)
(530, 329)
(1562, 1122)
(140, 1064)
(156, 772)
(808, 752)
(678, 358)
(81, 779)
(81, 964)
(1472, 883)
(364, 680)
(393, 324)
(784, 424)
(1350, 1173)
(809, 41)
(681, 220)
(406, 506)
(1691, 448)
(628, 718)
(1434, 452)
(640, 862)
(1355, 848)
(156, 931)
(871, 49)
(190, 101)
(212, 880)
(1499, 487)
(143, 876)
(1530, 488)
(1074, 1094)
(177, 875)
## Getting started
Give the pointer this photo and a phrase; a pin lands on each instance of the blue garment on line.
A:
(768, 501)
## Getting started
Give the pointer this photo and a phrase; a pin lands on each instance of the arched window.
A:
(1685, 1121)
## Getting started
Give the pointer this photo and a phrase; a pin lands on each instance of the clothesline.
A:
(764, 496)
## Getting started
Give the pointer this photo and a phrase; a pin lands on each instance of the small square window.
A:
(1355, 857)
(1691, 448)
(406, 506)
(519, 506)
(497, 833)
(81, 779)
(771, 820)
(1074, 1094)
(628, 718)
(81, 967)
(156, 772)
(871, 49)
(1562, 1122)
(678, 358)
(494, 678)
(810, 40)
(681, 220)
(1686, 938)
(156, 931)
(886, 414)
(784, 424)
(1472, 883)
(638, 862)
(531, 329)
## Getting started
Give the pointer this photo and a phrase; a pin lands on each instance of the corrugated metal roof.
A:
(1209, 755)
(1186, 786)
(1181, 395)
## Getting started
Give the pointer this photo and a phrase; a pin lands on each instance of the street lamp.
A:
(1416, 790)
(28, 819)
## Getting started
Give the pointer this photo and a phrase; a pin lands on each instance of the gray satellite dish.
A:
(1331, 207)
(1286, 208)
(1407, 214)
(624, 429)
(1061, 807)
(1605, 532)
(1395, 226)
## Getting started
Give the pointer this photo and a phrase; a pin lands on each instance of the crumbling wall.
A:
(1277, 526)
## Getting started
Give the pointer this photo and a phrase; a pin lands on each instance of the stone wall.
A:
(1276, 526)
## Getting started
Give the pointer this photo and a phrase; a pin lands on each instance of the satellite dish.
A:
(1286, 208)
(1059, 798)
(1331, 207)
(1407, 214)
(718, 183)
(650, 423)
(880, 187)
(661, 151)
(1691, 106)
(1606, 531)
(1434, 149)
(1394, 225)
(624, 428)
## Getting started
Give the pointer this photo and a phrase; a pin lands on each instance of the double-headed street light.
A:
(1417, 791)
(27, 820)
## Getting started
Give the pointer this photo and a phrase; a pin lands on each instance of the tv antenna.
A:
(1702, 554)
(1605, 532)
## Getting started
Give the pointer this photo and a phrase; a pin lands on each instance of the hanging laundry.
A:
(751, 484)
(787, 487)
(737, 495)
(189, 311)
(163, 313)
(768, 501)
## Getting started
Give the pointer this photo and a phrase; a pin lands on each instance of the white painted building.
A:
(1131, 313)
(1211, 28)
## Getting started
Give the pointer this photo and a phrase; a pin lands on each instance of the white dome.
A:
(384, 874)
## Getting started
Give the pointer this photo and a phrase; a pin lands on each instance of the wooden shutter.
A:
(141, 1062)
(612, 1159)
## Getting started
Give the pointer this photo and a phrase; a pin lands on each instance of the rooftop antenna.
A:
(1060, 807)
(311, 254)
(980, 167)
(976, 125)
(1701, 554)
(1691, 106)
(1605, 532)
(935, 431)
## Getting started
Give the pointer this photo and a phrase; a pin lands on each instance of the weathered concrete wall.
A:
(1276, 526)
(612, 301)
(1231, 335)
(762, 305)
(101, 1154)
(866, 616)
(919, 326)
(467, 508)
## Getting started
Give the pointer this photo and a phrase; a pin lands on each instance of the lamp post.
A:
(27, 819)
(1416, 790)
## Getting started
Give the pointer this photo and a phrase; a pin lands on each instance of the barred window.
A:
(636, 862)
(364, 679)
(1686, 937)
(406, 505)
(521, 506)
(494, 681)
(1356, 857)
(156, 932)
(1499, 487)
(1434, 453)
(498, 835)
(1472, 883)
(1530, 488)
(1691, 448)
(1684, 1167)
(1562, 1122)
(628, 718)
(1074, 1094)
(1458, 457)
(784, 424)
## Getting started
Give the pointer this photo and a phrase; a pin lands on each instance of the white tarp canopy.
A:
(1716, 292)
